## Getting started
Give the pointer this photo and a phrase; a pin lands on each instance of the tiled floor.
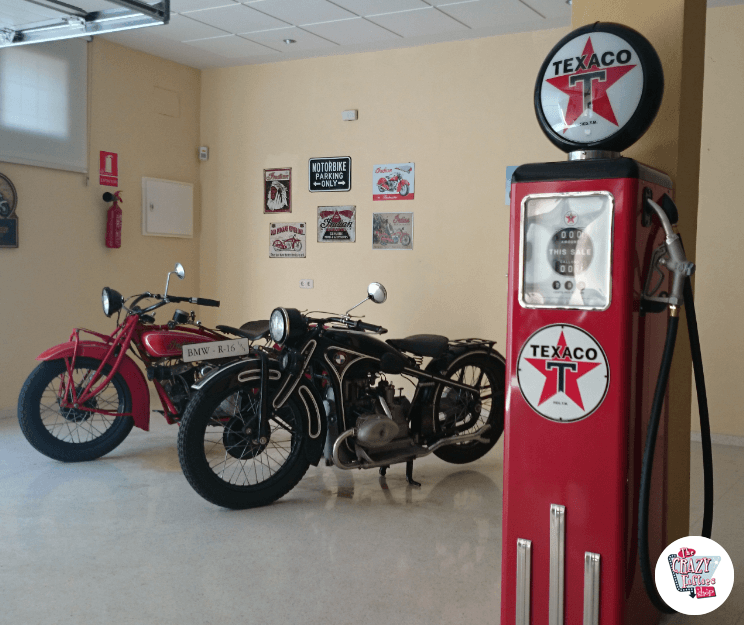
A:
(125, 540)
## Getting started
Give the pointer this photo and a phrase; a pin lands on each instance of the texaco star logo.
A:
(570, 218)
(587, 86)
(591, 87)
(563, 373)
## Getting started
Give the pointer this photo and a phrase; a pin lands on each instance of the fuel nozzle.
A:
(671, 254)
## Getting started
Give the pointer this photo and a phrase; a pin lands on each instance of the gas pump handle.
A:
(676, 261)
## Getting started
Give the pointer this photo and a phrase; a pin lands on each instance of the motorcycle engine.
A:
(377, 428)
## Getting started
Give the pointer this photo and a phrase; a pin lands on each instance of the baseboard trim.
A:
(7, 413)
(720, 439)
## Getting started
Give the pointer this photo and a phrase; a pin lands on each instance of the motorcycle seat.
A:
(252, 330)
(422, 344)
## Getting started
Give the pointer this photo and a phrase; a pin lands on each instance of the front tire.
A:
(219, 455)
(458, 412)
(403, 190)
(67, 434)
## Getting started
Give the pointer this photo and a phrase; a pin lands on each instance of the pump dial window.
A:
(570, 251)
(566, 250)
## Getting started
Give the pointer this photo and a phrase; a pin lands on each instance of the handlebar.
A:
(355, 324)
(199, 301)
(368, 326)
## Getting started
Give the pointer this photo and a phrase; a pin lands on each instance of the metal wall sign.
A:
(278, 190)
(8, 219)
(336, 223)
(287, 240)
(329, 174)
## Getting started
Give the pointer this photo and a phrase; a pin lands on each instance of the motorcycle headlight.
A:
(278, 325)
(285, 323)
(112, 301)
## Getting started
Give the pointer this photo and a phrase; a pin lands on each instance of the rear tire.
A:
(458, 412)
(67, 434)
(222, 462)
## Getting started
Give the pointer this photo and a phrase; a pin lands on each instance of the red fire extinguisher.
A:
(113, 220)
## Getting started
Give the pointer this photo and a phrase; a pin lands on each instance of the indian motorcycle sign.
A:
(393, 181)
(287, 240)
(336, 223)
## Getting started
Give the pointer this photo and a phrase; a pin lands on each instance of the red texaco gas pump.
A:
(592, 250)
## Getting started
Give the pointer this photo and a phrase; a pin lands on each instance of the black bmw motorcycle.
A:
(254, 426)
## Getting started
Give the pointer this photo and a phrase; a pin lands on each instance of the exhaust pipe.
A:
(419, 452)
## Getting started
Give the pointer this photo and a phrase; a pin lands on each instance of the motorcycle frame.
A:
(318, 343)
(126, 335)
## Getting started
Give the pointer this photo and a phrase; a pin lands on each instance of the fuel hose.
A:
(651, 434)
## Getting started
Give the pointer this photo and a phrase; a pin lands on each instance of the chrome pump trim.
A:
(524, 577)
(591, 588)
(557, 563)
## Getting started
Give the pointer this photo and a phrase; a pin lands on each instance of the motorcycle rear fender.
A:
(235, 374)
(129, 370)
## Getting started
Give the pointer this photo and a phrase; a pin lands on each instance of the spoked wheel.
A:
(223, 457)
(458, 411)
(67, 433)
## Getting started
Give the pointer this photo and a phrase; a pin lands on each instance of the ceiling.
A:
(222, 33)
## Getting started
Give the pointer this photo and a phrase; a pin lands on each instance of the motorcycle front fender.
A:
(235, 374)
(128, 368)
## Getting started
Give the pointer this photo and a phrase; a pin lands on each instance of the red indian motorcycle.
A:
(395, 182)
(84, 398)
(292, 243)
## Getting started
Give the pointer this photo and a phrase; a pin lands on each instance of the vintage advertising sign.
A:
(109, 169)
(336, 223)
(8, 218)
(278, 190)
(599, 88)
(287, 240)
(393, 181)
(563, 373)
(329, 174)
(392, 231)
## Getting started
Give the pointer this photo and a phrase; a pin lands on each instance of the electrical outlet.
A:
(307, 284)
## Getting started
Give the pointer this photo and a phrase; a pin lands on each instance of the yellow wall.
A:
(460, 111)
(720, 253)
(53, 281)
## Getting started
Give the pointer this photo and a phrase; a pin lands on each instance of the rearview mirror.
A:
(179, 271)
(377, 293)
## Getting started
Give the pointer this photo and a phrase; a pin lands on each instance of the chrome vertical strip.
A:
(591, 588)
(557, 563)
(524, 576)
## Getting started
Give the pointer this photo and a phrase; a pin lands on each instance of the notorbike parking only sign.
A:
(329, 174)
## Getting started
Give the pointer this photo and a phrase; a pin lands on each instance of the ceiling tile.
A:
(419, 22)
(14, 14)
(182, 6)
(349, 32)
(375, 7)
(237, 18)
(304, 40)
(182, 28)
(550, 8)
(231, 47)
(299, 12)
(142, 39)
(489, 13)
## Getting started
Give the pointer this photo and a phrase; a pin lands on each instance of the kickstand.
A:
(409, 474)
(383, 471)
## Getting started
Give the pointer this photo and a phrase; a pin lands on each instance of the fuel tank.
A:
(169, 343)
(363, 343)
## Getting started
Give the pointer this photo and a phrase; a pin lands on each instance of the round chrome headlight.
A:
(111, 300)
(278, 325)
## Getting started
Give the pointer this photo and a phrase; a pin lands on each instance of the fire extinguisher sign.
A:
(109, 169)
